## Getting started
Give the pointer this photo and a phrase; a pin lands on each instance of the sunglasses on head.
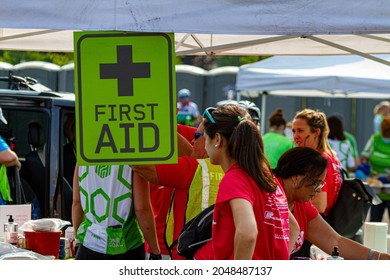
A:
(198, 134)
(207, 114)
(254, 117)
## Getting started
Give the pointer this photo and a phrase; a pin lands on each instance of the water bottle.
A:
(335, 255)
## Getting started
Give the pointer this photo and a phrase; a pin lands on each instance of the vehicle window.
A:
(68, 163)
(17, 128)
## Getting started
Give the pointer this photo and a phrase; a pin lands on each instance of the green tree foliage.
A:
(230, 60)
(209, 62)
(15, 57)
(206, 62)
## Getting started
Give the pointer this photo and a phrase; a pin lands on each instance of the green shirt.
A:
(352, 140)
(275, 145)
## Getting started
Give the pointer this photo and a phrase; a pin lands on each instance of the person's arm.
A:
(321, 234)
(9, 158)
(161, 174)
(144, 212)
(197, 120)
(184, 147)
(320, 201)
(196, 115)
(77, 210)
(147, 171)
(294, 230)
(246, 229)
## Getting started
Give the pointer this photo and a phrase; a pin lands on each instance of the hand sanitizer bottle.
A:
(11, 231)
(335, 254)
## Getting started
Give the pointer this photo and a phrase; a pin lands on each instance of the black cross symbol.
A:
(125, 70)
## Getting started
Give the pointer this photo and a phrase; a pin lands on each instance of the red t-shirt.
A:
(271, 212)
(188, 132)
(160, 198)
(178, 176)
(333, 181)
(303, 212)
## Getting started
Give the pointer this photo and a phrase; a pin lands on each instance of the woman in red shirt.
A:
(251, 213)
(310, 129)
(301, 171)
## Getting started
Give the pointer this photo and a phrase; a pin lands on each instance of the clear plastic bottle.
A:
(11, 231)
(335, 255)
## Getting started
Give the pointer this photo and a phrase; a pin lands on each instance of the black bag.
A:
(349, 212)
(195, 233)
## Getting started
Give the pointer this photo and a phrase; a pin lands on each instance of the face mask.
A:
(386, 140)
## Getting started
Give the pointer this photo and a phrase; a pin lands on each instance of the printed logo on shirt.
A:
(95, 236)
(115, 242)
(103, 171)
(298, 244)
(279, 191)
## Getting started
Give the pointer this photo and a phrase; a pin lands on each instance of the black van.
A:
(36, 132)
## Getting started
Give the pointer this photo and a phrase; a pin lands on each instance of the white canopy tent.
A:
(259, 27)
(346, 73)
(328, 76)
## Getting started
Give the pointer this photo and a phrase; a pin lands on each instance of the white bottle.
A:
(11, 231)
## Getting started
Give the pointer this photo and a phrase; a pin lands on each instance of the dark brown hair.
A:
(300, 161)
(277, 119)
(336, 128)
(245, 144)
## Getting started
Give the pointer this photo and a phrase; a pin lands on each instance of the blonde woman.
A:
(310, 129)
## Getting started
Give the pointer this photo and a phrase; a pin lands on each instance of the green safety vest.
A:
(202, 193)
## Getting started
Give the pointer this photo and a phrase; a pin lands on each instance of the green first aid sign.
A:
(125, 98)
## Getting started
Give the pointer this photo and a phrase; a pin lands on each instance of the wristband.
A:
(370, 254)
(154, 256)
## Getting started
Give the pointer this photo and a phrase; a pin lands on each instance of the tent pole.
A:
(263, 115)
(352, 51)
(28, 34)
(231, 46)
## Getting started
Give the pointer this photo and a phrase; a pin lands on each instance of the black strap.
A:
(155, 257)
(344, 173)
(16, 185)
